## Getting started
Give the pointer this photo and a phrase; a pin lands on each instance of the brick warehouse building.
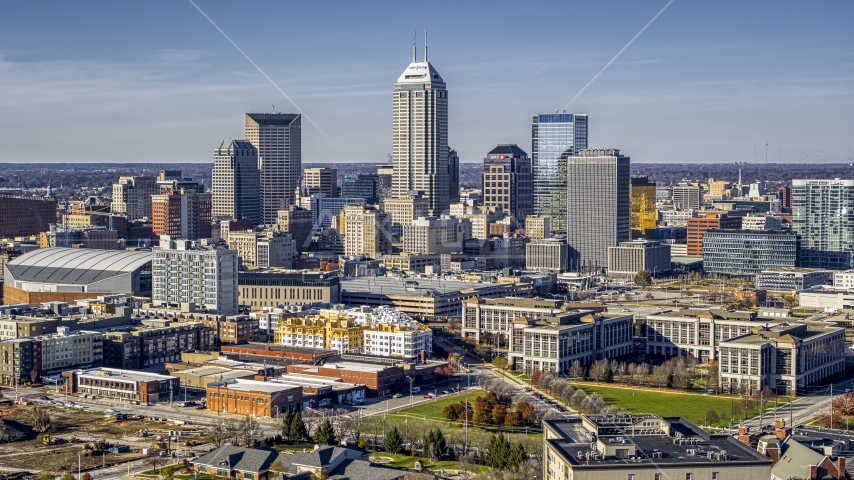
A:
(22, 217)
(378, 379)
(278, 351)
(253, 397)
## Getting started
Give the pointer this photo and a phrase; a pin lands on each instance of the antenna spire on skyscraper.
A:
(414, 48)
(425, 46)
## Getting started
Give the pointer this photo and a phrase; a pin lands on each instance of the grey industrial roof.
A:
(75, 266)
(362, 470)
(237, 458)
(508, 149)
(796, 461)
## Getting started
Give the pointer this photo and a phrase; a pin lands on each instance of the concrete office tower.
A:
(132, 196)
(687, 196)
(404, 210)
(236, 182)
(537, 228)
(433, 235)
(367, 231)
(823, 215)
(644, 215)
(278, 139)
(556, 136)
(420, 135)
(183, 273)
(385, 173)
(182, 214)
(597, 194)
(321, 180)
(508, 182)
(546, 254)
(453, 176)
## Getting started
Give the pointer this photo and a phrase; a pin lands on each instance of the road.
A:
(803, 409)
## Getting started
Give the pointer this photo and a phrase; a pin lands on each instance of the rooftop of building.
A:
(75, 266)
(740, 231)
(349, 366)
(420, 72)
(296, 379)
(517, 302)
(119, 374)
(421, 288)
(784, 332)
(279, 348)
(668, 440)
(246, 385)
(508, 149)
(794, 270)
(714, 313)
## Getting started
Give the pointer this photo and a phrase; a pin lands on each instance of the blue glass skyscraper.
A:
(555, 137)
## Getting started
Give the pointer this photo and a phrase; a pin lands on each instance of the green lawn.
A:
(405, 461)
(433, 408)
(691, 406)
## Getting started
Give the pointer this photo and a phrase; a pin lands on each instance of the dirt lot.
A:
(30, 452)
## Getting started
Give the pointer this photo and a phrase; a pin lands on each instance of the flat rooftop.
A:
(298, 380)
(653, 448)
(118, 374)
(243, 385)
(393, 286)
(352, 366)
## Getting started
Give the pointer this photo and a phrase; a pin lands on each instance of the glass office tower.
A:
(555, 137)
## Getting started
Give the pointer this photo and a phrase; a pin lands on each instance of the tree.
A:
(297, 430)
(498, 452)
(643, 279)
(517, 457)
(711, 417)
(454, 359)
(87, 476)
(526, 410)
(325, 433)
(499, 412)
(247, 431)
(599, 370)
(67, 476)
(278, 467)
(34, 375)
(168, 472)
(286, 425)
(576, 370)
(535, 377)
(41, 419)
(392, 442)
(218, 435)
(500, 362)
(45, 475)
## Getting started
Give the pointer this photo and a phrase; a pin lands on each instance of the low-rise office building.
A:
(410, 262)
(378, 379)
(547, 254)
(786, 357)
(645, 447)
(275, 288)
(792, 279)
(272, 248)
(695, 333)
(425, 299)
(497, 314)
(626, 259)
(843, 280)
(122, 384)
(746, 253)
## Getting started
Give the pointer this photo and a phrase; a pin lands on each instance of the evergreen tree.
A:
(440, 445)
(297, 430)
(517, 457)
(392, 442)
(286, 425)
(499, 452)
(324, 434)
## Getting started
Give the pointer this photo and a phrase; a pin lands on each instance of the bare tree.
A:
(576, 370)
(599, 370)
(41, 419)
(218, 435)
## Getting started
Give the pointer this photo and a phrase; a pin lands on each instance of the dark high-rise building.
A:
(385, 173)
(321, 180)
(236, 182)
(453, 176)
(25, 216)
(278, 138)
(507, 181)
(597, 206)
(784, 193)
(555, 137)
(361, 185)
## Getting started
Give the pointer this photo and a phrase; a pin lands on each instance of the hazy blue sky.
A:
(154, 81)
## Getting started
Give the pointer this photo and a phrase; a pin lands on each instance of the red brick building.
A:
(181, 214)
(253, 397)
(378, 379)
(699, 225)
(279, 351)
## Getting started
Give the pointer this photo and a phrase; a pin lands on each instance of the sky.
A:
(154, 81)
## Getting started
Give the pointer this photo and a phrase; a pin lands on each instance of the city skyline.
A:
(706, 73)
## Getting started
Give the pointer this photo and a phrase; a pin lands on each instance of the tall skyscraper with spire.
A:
(278, 138)
(420, 135)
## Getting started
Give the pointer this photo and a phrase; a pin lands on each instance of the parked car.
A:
(397, 395)
(428, 396)
(134, 402)
(200, 407)
(111, 410)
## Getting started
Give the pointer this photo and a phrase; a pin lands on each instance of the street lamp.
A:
(410, 390)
